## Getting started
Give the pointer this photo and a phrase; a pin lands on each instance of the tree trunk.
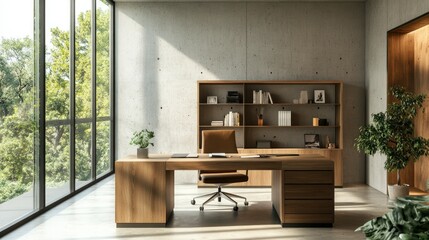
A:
(398, 176)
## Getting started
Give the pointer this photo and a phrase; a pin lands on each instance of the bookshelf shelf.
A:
(209, 126)
(284, 139)
(294, 104)
(221, 104)
(273, 126)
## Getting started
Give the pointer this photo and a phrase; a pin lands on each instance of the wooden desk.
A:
(302, 187)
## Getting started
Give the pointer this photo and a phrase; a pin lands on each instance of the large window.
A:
(51, 148)
(57, 176)
(103, 87)
(17, 111)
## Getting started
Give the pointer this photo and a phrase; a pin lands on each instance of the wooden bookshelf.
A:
(284, 139)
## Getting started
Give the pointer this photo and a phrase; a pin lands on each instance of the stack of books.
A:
(217, 123)
(233, 97)
(232, 119)
(285, 118)
(261, 97)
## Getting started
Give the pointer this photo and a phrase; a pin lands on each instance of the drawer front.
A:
(308, 191)
(309, 177)
(308, 218)
(309, 206)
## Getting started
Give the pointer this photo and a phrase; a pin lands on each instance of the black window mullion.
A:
(112, 85)
(40, 197)
(72, 96)
(94, 89)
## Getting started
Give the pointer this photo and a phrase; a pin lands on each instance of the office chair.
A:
(220, 141)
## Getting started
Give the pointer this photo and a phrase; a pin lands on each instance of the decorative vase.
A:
(260, 120)
(396, 191)
(142, 153)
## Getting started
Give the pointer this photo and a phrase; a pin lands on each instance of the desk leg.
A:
(144, 194)
(277, 192)
(169, 193)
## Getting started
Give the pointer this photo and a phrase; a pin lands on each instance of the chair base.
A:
(219, 195)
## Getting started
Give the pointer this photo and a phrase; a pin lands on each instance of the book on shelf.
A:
(285, 118)
(233, 97)
(270, 98)
(232, 119)
(217, 123)
(261, 97)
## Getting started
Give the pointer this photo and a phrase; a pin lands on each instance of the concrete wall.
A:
(164, 48)
(382, 16)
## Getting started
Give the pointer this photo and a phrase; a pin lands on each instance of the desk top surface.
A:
(234, 161)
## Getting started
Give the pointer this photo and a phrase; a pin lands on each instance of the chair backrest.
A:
(218, 141)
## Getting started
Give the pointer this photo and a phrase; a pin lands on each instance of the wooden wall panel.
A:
(421, 84)
(400, 63)
(408, 65)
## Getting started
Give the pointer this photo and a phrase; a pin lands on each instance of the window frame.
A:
(40, 205)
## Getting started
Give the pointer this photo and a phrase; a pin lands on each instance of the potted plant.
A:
(408, 220)
(142, 140)
(392, 134)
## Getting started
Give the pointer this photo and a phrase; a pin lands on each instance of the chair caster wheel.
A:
(193, 202)
(235, 208)
(201, 209)
(246, 203)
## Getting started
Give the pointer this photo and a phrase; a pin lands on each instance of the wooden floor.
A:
(90, 215)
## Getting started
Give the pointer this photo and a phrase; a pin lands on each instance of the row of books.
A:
(285, 118)
(261, 97)
(232, 119)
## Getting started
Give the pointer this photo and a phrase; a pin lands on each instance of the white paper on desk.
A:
(251, 156)
(192, 155)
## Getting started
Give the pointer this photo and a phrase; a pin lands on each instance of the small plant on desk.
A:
(142, 140)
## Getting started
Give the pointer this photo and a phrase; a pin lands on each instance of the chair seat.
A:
(230, 177)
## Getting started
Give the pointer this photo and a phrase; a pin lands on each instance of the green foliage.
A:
(11, 189)
(409, 220)
(16, 72)
(392, 132)
(142, 138)
(103, 147)
(17, 124)
(17, 107)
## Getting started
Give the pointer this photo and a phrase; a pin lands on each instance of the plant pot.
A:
(398, 191)
(142, 153)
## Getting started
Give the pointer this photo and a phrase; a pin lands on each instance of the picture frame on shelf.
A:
(211, 99)
(319, 96)
(311, 141)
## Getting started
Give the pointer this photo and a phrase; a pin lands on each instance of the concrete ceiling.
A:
(239, 0)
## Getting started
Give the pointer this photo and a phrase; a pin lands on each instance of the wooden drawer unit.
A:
(313, 191)
(308, 220)
(308, 206)
(308, 197)
(309, 177)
